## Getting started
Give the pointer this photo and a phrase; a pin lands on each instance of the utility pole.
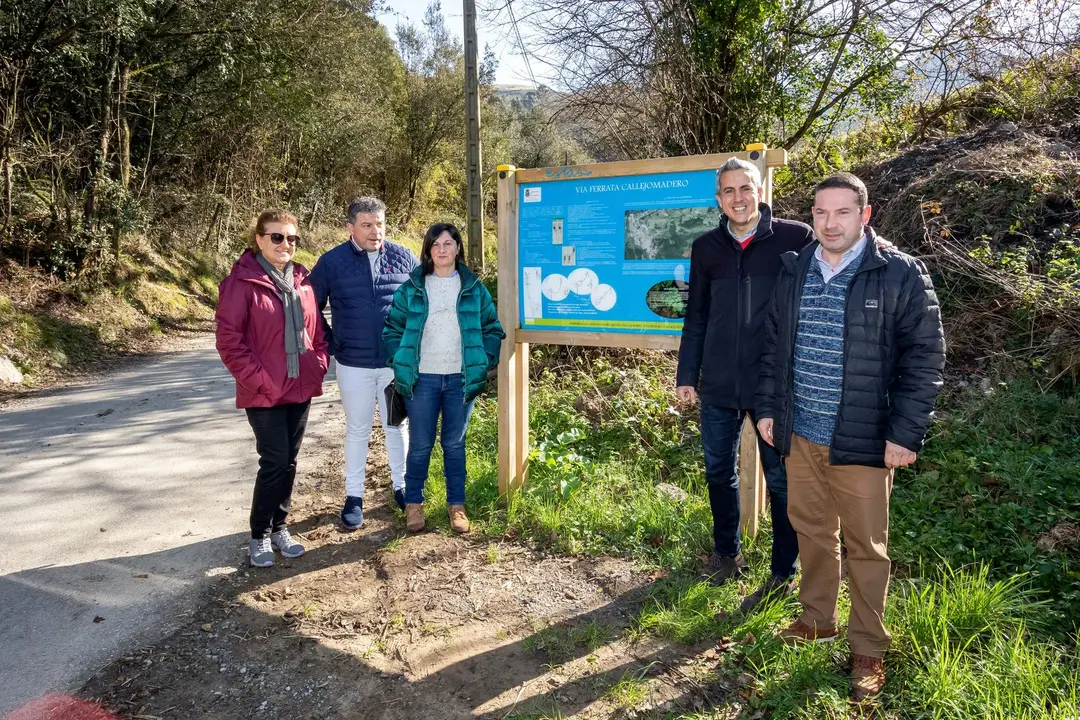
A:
(472, 141)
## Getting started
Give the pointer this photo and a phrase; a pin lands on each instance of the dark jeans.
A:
(721, 429)
(432, 396)
(279, 430)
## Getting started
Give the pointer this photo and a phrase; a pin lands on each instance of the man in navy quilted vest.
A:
(853, 359)
(359, 278)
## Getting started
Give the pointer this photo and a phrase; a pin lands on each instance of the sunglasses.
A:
(278, 238)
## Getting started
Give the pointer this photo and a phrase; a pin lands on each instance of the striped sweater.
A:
(819, 353)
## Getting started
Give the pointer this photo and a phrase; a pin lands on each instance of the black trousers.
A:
(279, 431)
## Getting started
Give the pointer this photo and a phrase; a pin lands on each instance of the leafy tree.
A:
(653, 77)
(120, 114)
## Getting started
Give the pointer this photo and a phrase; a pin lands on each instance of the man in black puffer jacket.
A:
(853, 361)
(732, 273)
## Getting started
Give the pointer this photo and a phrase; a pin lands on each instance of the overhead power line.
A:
(521, 44)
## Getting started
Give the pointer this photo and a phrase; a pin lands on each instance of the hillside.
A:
(995, 214)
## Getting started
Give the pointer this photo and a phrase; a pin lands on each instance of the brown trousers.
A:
(824, 499)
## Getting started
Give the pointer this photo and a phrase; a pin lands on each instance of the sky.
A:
(511, 69)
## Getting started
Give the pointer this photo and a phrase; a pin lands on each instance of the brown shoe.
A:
(798, 633)
(459, 521)
(414, 517)
(867, 677)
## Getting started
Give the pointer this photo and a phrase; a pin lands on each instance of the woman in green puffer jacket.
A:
(442, 336)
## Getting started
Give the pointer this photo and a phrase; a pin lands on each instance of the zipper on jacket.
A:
(843, 372)
(423, 324)
(464, 380)
(749, 294)
(738, 326)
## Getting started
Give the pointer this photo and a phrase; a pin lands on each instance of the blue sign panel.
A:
(611, 254)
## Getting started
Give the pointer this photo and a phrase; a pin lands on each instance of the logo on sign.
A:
(532, 194)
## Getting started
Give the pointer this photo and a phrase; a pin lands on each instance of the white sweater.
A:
(440, 346)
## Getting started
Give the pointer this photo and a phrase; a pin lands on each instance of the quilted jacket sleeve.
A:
(394, 327)
(320, 283)
(490, 328)
(920, 360)
(232, 322)
(765, 398)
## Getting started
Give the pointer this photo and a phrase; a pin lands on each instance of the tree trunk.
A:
(123, 132)
(6, 168)
(7, 161)
(149, 145)
(105, 121)
(413, 181)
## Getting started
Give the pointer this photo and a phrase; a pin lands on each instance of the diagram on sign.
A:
(582, 282)
(556, 231)
(603, 297)
(534, 297)
(555, 287)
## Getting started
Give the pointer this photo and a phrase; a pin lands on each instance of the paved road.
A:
(119, 501)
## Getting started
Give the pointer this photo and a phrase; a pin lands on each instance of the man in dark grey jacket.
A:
(853, 361)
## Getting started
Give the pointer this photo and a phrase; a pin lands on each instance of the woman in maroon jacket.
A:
(271, 339)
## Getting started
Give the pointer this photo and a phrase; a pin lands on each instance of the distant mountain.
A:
(527, 96)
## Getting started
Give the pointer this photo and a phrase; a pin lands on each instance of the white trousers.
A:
(360, 388)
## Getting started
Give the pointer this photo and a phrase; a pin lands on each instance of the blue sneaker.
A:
(352, 515)
(399, 498)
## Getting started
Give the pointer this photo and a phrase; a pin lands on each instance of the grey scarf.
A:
(294, 313)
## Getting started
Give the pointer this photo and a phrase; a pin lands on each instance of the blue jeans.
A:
(432, 395)
(720, 432)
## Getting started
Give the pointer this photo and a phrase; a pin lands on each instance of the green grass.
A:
(537, 711)
(998, 474)
(983, 608)
(563, 642)
(628, 693)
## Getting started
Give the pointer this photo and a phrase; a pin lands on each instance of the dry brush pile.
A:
(995, 215)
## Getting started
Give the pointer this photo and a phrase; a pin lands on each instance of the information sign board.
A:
(599, 255)
(611, 254)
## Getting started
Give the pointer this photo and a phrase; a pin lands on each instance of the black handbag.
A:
(395, 406)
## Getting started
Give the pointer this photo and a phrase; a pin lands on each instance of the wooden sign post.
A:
(513, 374)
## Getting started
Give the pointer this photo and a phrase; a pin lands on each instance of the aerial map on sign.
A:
(611, 254)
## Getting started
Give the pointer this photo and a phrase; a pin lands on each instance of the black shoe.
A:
(399, 498)
(722, 568)
(773, 587)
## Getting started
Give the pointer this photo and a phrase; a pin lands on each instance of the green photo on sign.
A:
(667, 233)
(668, 299)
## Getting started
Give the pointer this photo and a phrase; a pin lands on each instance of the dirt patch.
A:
(377, 624)
(1065, 536)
